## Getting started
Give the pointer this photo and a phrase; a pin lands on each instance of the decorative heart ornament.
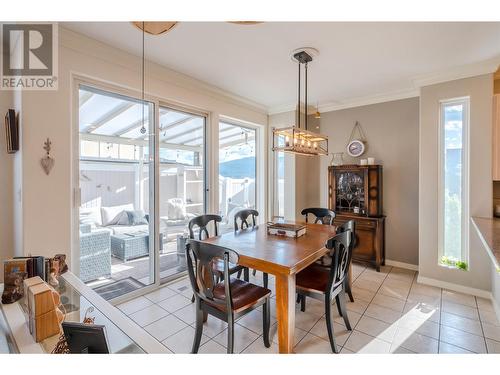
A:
(47, 164)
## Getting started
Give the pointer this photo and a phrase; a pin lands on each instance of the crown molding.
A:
(102, 51)
(351, 103)
(489, 66)
(465, 71)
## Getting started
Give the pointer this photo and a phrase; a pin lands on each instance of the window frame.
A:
(465, 102)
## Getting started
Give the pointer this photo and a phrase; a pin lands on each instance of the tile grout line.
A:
(481, 324)
(364, 311)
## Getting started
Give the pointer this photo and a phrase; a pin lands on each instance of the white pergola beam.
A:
(109, 116)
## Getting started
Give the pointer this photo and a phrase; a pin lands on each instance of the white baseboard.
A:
(455, 287)
(408, 266)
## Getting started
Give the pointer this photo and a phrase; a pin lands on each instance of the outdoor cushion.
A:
(176, 209)
(91, 215)
(137, 217)
(114, 215)
(128, 229)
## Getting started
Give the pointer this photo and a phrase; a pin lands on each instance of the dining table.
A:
(282, 257)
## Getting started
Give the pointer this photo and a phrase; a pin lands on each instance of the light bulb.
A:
(295, 140)
(315, 145)
(308, 143)
(302, 142)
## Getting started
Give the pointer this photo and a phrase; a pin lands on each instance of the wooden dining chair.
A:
(202, 222)
(325, 284)
(242, 218)
(322, 215)
(349, 225)
(226, 300)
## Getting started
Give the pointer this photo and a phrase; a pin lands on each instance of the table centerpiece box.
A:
(285, 229)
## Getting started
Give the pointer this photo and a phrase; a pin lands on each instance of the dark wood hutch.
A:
(355, 192)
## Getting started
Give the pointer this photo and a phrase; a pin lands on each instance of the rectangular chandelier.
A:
(299, 141)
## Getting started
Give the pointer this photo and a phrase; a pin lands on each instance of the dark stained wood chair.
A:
(349, 225)
(322, 215)
(202, 222)
(325, 284)
(226, 300)
(242, 218)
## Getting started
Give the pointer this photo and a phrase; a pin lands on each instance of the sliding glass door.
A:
(182, 193)
(237, 171)
(116, 181)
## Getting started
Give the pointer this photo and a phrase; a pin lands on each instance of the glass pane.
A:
(453, 133)
(280, 168)
(182, 183)
(116, 248)
(237, 171)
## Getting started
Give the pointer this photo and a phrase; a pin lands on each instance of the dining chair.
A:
(322, 215)
(325, 284)
(349, 225)
(226, 300)
(242, 218)
(202, 222)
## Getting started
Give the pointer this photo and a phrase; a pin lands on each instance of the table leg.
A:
(285, 310)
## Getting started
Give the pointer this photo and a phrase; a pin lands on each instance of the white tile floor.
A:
(391, 314)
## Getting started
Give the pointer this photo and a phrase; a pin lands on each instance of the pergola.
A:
(107, 117)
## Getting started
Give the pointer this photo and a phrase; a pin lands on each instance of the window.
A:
(453, 191)
(237, 171)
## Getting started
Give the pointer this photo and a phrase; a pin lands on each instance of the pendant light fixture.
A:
(299, 139)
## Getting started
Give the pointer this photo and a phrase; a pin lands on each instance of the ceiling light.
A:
(297, 139)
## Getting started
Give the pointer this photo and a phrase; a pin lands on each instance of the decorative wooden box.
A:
(42, 315)
(287, 230)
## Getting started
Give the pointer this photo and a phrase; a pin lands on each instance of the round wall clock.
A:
(356, 148)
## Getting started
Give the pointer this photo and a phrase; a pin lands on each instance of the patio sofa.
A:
(95, 253)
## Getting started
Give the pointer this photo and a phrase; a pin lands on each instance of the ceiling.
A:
(356, 60)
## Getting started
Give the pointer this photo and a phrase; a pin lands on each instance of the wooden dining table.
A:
(282, 257)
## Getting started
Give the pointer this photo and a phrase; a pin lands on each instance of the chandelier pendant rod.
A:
(298, 101)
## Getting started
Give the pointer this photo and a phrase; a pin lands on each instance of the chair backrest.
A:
(323, 215)
(201, 258)
(340, 247)
(243, 216)
(349, 225)
(202, 221)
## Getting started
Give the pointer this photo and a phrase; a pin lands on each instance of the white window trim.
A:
(465, 101)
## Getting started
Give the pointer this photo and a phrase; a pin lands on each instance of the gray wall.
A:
(6, 190)
(391, 130)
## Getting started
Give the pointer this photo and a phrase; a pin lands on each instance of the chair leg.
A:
(347, 287)
(341, 296)
(254, 272)
(230, 336)
(266, 280)
(246, 274)
(302, 303)
(266, 316)
(329, 323)
(192, 298)
(199, 330)
(238, 274)
(337, 302)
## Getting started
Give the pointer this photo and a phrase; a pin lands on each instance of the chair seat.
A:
(219, 267)
(244, 294)
(313, 278)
